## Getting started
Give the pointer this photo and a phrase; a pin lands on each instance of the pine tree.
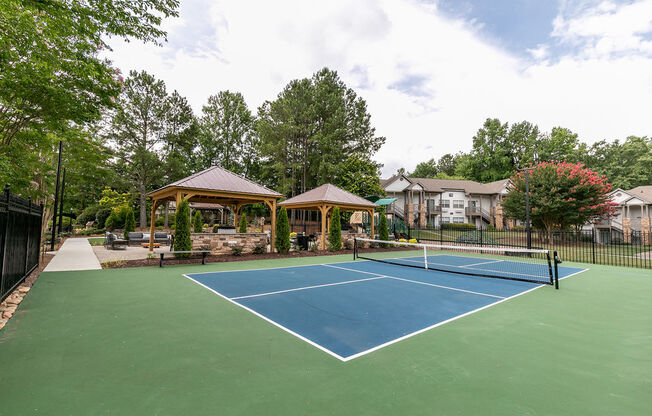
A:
(335, 231)
(282, 232)
(130, 222)
(243, 224)
(182, 230)
(197, 224)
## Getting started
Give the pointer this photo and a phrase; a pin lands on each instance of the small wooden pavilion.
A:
(216, 185)
(324, 199)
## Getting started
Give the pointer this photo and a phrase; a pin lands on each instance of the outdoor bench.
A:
(203, 254)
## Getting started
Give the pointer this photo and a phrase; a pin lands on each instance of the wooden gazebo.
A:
(324, 199)
(216, 185)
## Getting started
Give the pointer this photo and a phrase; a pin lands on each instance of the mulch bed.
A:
(120, 264)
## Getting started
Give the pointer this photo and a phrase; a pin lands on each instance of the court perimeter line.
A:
(306, 288)
(415, 281)
(275, 268)
(276, 324)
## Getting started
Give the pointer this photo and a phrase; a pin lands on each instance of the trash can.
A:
(302, 242)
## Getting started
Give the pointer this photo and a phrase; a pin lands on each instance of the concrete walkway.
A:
(74, 254)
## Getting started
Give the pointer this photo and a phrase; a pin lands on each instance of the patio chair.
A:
(111, 241)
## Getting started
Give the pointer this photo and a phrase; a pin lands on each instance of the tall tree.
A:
(137, 128)
(313, 128)
(428, 169)
(227, 133)
(491, 158)
(360, 176)
(627, 164)
(180, 138)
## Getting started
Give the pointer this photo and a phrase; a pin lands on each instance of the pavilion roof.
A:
(219, 179)
(328, 193)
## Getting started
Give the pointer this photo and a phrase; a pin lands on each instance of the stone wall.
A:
(347, 238)
(646, 232)
(627, 230)
(222, 243)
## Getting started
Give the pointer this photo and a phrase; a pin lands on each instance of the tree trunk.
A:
(143, 205)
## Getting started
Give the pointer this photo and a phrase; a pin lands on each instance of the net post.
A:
(556, 270)
(425, 257)
(355, 247)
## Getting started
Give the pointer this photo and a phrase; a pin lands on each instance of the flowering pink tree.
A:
(562, 195)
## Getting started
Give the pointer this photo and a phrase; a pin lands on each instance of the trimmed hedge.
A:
(335, 231)
(197, 224)
(282, 232)
(182, 233)
(458, 226)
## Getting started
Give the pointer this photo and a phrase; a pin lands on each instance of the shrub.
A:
(87, 215)
(413, 241)
(282, 232)
(402, 240)
(118, 217)
(259, 249)
(383, 229)
(292, 235)
(458, 226)
(242, 227)
(130, 221)
(182, 234)
(101, 217)
(197, 223)
(348, 244)
(518, 228)
(335, 232)
(236, 250)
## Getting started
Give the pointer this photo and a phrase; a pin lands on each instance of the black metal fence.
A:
(595, 246)
(20, 237)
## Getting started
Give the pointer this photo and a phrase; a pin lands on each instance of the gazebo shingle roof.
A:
(217, 178)
(328, 193)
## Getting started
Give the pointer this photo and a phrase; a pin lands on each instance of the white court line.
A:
(461, 267)
(276, 324)
(377, 347)
(415, 281)
(484, 262)
(271, 268)
(306, 288)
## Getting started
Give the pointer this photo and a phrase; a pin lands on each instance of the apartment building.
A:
(426, 202)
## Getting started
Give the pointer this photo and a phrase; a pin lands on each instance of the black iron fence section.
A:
(595, 246)
(20, 238)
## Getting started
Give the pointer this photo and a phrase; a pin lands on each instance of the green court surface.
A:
(147, 341)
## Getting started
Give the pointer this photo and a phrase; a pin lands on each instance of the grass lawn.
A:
(96, 241)
(146, 341)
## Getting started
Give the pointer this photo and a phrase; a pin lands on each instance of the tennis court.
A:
(353, 308)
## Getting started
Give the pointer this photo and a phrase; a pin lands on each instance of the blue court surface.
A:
(353, 308)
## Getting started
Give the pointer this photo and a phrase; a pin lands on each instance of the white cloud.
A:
(429, 81)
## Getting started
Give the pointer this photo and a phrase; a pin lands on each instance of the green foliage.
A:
(427, 169)
(130, 221)
(101, 216)
(118, 217)
(242, 227)
(458, 226)
(236, 250)
(227, 138)
(282, 232)
(111, 198)
(311, 130)
(335, 231)
(383, 229)
(87, 215)
(259, 249)
(627, 164)
(360, 175)
(562, 195)
(182, 240)
(197, 224)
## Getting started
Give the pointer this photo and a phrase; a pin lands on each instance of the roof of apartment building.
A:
(644, 193)
(440, 185)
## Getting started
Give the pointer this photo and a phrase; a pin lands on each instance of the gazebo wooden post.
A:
(371, 213)
(324, 213)
(272, 237)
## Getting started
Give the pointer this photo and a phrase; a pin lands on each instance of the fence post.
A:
(480, 236)
(593, 243)
(4, 243)
(29, 233)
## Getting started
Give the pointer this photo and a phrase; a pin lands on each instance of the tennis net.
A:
(513, 263)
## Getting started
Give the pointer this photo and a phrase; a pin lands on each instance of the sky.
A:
(431, 71)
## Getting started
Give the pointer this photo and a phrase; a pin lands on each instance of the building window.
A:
(445, 220)
(445, 203)
(458, 220)
(458, 203)
(450, 194)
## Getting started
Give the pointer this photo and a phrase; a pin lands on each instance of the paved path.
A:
(74, 254)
